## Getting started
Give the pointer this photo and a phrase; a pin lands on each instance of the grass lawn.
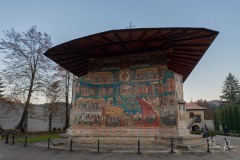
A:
(37, 137)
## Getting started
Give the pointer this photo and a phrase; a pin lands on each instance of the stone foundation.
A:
(129, 136)
(120, 131)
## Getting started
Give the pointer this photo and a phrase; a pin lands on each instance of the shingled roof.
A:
(186, 46)
(194, 106)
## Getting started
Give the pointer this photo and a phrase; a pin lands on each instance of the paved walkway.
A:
(111, 148)
(18, 151)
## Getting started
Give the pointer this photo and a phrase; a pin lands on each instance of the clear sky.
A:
(65, 20)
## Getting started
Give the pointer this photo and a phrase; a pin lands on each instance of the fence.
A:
(11, 139)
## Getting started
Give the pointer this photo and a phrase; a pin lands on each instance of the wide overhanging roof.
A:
(187, 46)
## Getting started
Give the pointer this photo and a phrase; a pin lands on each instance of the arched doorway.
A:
(195, 128)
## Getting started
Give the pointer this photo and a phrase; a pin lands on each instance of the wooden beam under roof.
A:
(121, 41)
(181, 66)
(186, 54)
(80, 73)
(80, 67)
(175, 60)
(142, 35)
(190, 45)
(66, 62)
(107, 39)
(173, 36)
(180, 57)
(195, 38)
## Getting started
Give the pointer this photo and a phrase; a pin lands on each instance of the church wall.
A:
(178, 86)
(131, 97)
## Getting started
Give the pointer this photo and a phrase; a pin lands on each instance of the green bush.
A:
(59, 129)
(211, 133)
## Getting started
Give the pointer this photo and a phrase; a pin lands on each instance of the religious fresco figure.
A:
(75, 119)
(97, 93)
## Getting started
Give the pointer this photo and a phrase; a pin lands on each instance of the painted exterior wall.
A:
(178, 86)
(131, 97)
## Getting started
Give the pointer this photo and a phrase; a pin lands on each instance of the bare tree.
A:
(1, 89)
(54, 95)
(66, 79)
(27, 70)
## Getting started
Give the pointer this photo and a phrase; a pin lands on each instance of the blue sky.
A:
(65, 20)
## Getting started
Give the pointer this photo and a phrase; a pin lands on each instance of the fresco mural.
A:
(131, 97)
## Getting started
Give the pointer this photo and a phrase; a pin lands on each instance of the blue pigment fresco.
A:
(137, 96)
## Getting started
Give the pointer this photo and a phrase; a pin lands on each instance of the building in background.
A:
(195, 117)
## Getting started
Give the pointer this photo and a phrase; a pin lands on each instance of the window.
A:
(191, 115)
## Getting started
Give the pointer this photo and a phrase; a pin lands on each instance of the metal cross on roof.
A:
(130, 26)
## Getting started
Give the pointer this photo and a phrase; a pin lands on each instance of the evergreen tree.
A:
(236, 118)
(216, 121)
(231, 89)
(223, 118)
(226, 111)
(1, 89)
(231, 117)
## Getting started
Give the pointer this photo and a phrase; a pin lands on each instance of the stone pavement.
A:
(106, 148)
(219, 145)
(18, 151)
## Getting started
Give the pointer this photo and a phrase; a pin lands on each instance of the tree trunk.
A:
(67, 115)
(50, 122)
(21, 123)
(66, 96)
